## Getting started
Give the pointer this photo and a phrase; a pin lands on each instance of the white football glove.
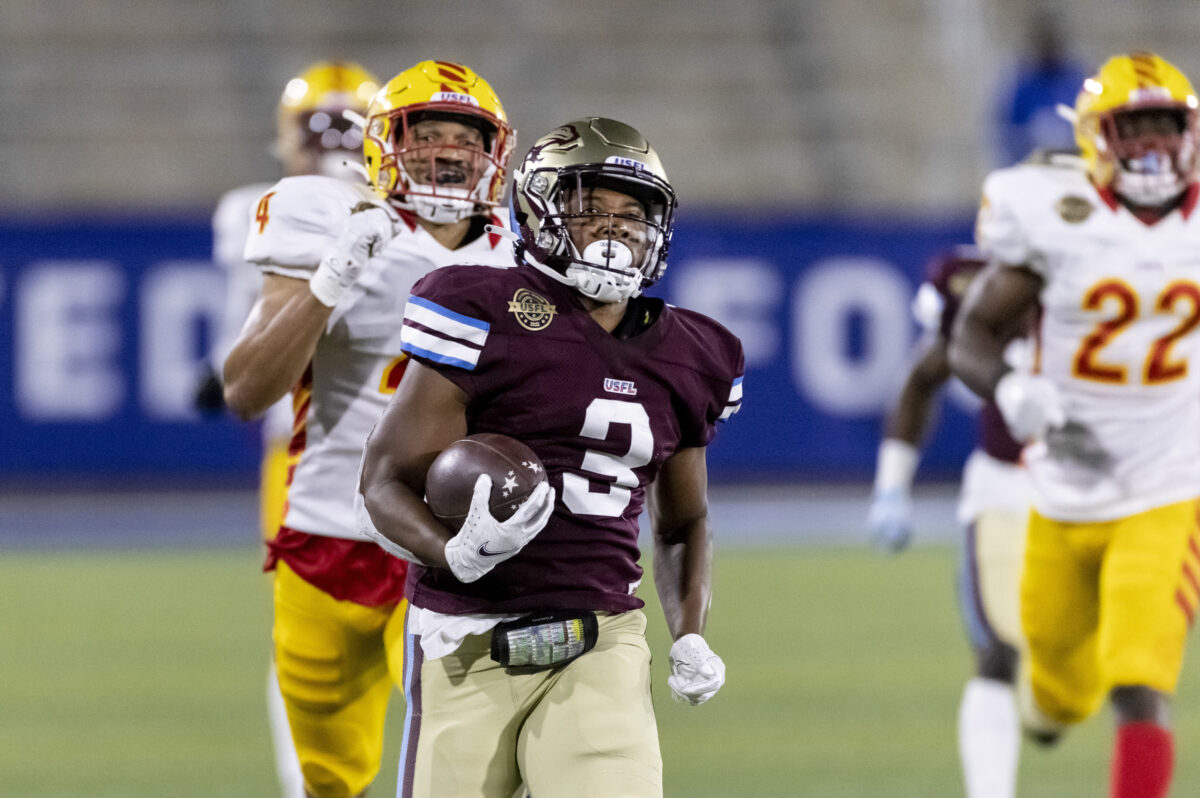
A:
(483, 542)
(1030, 405)
(696, 672)
(890, 519)
(365, 232)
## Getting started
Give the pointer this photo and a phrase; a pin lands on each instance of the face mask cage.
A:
(441, 180)
(1152, 150)
(560, 201)
(320, 141)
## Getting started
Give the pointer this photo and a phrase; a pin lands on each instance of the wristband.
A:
(896, 465)
(326, 282)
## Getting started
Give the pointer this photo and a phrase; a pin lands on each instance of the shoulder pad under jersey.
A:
(1018, 199)
(299, 219)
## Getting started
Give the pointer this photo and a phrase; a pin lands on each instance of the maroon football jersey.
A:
(950, 274)
(602, 412)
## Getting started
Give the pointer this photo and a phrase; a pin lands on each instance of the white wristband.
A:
(326, 283)
(896, 465)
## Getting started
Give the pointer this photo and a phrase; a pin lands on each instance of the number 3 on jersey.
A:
(602, 414)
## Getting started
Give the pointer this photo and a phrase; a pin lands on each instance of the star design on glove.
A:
(534, 467)
(510, 484)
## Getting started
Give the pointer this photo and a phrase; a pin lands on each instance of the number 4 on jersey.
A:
(262, 212)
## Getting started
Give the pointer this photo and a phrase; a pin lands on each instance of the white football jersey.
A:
(358, 360)
(1119, 336)
(231, 224)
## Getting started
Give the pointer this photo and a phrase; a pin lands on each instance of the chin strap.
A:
(503, 232)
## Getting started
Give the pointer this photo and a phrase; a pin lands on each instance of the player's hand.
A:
(209, 394)
(365, 232)
(483, 542)
(696, 672)
(890, 520)
(1074, 443)
(1030, 405)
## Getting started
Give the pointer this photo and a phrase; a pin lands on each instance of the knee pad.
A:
(310, 668)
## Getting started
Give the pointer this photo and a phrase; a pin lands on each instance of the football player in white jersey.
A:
(312, 137)
(338, 260)
(1111, 410)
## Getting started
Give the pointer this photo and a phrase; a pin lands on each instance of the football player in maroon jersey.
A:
(993, 505)
(526, 656)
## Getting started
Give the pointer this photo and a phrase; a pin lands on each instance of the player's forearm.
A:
(995, 310)
(977, 357)
(683, 577)
(401, 516)
(270, 358)
(909, 420)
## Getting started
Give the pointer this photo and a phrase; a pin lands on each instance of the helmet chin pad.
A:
(1148, 188)
(442, 204)
(605, 272)
(588, 279)
(440, 208)
(609, 255)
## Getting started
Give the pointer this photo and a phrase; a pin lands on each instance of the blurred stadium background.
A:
(823, 152)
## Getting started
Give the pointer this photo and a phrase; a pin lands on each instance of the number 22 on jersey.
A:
(1158, 366)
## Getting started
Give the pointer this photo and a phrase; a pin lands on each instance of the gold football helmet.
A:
(1136, 127)
(313, 135)
(454, 181)
(549, 199)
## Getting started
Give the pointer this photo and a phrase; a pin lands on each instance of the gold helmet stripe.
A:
(1145, 67)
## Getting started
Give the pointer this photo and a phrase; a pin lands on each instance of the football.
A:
(514, 468)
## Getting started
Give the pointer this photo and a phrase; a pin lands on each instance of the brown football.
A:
(514, 468)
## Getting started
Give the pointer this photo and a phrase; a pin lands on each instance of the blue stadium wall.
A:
(104, 323)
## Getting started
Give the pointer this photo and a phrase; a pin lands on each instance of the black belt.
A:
(538, 642)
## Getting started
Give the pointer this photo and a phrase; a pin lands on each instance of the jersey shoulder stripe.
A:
(734, 402)
(441, 335)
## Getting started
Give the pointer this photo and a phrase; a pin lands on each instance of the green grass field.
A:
(141, 673)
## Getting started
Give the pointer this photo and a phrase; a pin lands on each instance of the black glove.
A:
(209, 396)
